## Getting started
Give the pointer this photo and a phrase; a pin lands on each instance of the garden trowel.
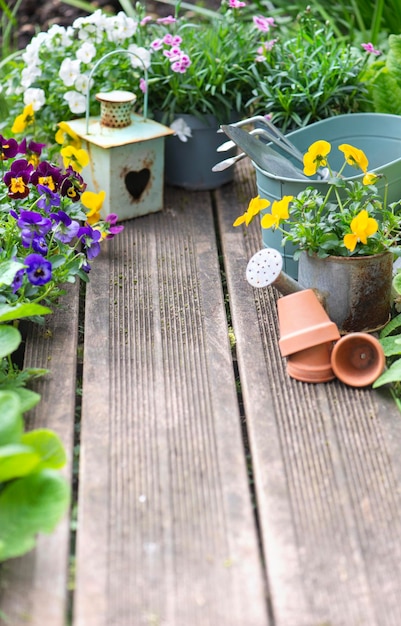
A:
(264, 156)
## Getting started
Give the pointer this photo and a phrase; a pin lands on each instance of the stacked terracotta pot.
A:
(315, 350)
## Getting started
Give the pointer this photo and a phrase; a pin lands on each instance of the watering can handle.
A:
(119, 51)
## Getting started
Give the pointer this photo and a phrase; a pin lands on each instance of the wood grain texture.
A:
(326, 462)
(33, 588)
(166, 530)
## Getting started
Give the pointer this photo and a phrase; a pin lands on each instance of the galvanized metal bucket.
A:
(356, 291)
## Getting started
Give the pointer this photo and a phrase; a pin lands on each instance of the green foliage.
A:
(308, 76)
(383, 79)
(357, 20)
(390, 339)
(33, 495)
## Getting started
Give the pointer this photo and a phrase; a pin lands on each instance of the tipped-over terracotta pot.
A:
(303, 322)
(358, 359)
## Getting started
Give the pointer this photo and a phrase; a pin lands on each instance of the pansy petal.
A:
(350, 241)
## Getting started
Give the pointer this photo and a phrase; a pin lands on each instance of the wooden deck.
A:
(196, 508)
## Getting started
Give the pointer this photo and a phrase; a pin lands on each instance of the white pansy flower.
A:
(121, 28)
(59, 34)
(29, 74)
(36, 97)
(76, 101)
(181, 129)
(81, 83)
(86, 52)
(142, 53)
(69, 70)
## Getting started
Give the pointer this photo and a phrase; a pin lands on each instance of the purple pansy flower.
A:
(113, 228)
(8, 148)
(65, 228)
(32, 224)
(39, 244)
(48, 199)
(90, 239)
(71, 184)
(17, 179)
(46, 174)
(18, 280)
(39, 269)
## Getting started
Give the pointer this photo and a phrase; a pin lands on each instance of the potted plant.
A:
(344, 238)
(195, 66)
(51, 227)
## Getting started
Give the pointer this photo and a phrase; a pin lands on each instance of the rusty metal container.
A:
(356, 291)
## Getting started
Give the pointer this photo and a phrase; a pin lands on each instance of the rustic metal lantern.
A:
(126, 152)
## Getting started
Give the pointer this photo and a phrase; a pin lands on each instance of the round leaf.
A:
(11, 422)
(29, 505)
(17, 460)
(48, 446)
(10, 338)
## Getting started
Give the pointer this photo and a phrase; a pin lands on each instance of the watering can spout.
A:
(265, 268)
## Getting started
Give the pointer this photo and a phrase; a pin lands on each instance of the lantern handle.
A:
(119, 51)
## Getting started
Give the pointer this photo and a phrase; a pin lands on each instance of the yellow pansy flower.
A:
(370, 178)
(354, 156)
(94, 202)
(66, 136)
(255, 206)
(279, 213)
(362, 227)
(25, 119)
(316, 156)
(76, 158)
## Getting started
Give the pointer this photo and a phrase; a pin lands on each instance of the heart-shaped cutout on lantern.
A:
(136, 182)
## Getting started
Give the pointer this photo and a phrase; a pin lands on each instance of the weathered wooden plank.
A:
(326, 462)
(166, 531)
(33, 588)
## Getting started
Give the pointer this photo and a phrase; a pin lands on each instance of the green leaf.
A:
(391, 326)
(48, 446)
(397, 283)
(392, 375)
(27, 397)
(391, 345)
(9, 313)
(17, 460)
(10, 338)
(11, 422)
(29, 505)
(8, 270)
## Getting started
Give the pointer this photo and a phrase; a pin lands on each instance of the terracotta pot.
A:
(356, 291)
(312, 365)
(358, 359)
(303, 322)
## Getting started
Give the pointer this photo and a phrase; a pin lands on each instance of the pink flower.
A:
(236, 4)
(166, 20)
(156, 44)
(145, 20)
(168, 39)
(143, 86)
(369, 47)
(263, 23)
(265, 47)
